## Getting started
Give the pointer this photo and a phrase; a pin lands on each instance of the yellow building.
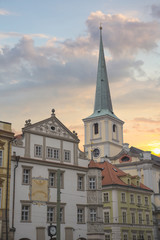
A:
(6, 136)
(127, 209)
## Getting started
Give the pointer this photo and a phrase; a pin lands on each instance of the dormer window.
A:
(128, 181)
(95, 128)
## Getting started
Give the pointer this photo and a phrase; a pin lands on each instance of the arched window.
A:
(114, 127)
(95, 128)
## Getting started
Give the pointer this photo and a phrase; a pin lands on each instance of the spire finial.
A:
(100, 27)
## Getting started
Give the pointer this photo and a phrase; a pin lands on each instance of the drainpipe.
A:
(13, 203)
(7, 187)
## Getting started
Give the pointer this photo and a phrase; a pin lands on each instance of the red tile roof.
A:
(111, 175)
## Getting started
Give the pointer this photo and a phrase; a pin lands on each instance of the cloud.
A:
(123, 35)
(147, 120)
(4, 12)
(155, 11)
(65, 70)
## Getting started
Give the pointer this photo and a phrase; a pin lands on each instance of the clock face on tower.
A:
(96, 152)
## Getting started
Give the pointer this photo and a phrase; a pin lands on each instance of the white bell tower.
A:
(103, 129)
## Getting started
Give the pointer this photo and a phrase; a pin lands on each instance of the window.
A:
(53, 153)
(125, 159)
(0, 196)
(106, 197)
(96, 128)
(114, 127)
(92, 183)
(134, 237)
(141, 237)
(147, 219)
(133, 219)
(80, 182)
(62, 214)
(139, 199)
(50, 214)
(26, 176)
(132, 198)
(149, 237)
(80, 215)
(106, 217)
(146, 201)
(125, 236)
(123, 197)
(93, 215)
(67, 156)
(124, 217)
(25, 213)
(1, 158)
(53, 179)
(140, 218)
(108, 237)
(38, 151)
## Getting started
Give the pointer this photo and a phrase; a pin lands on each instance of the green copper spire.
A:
(103, 103)
(102, 97)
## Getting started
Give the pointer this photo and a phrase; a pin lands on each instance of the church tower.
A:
(103, 129)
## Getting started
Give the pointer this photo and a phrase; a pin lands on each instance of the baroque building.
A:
(6, 136)
(44, 148)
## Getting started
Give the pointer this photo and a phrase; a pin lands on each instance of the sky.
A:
(49, 57)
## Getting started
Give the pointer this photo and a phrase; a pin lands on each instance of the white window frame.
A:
(52, 179)
(1, 157)
(139, 200)
(25, 212)
(140, 218)
(93, 214)
(134, 237)
(38, 151)
(80, 215)
(26, 177)
(146, 200)
(92, 183)
(108, 236)
(132, 199)
(147, 219)
(106, 216)
(133, 218)
(123, 197)
(105, 197)
(67, 156)
(124, 217)
(51, 214)
(125, 236)
(80, 182)
(53, 153)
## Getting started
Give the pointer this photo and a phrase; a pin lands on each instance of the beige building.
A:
(6, 136)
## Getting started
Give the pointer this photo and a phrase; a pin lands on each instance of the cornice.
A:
(50, 164)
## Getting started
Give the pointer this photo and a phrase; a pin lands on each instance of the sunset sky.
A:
(49, 55)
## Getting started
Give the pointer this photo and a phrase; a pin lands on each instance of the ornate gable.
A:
(51, 127)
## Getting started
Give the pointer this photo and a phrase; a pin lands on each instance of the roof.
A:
(111, 175)
(138, 151)
(103, 102)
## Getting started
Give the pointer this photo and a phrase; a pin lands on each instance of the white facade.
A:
(45, 147)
